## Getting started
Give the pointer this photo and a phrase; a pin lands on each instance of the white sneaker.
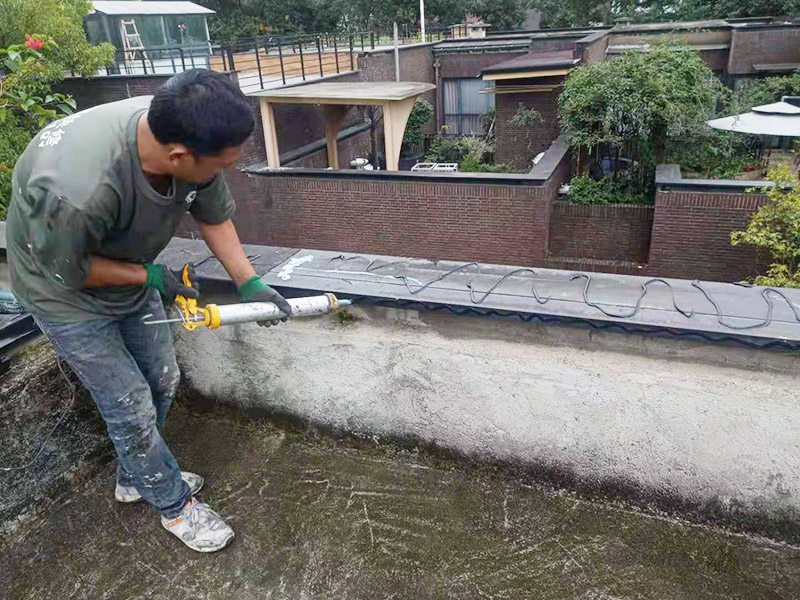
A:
(128, 493)
(199, 527)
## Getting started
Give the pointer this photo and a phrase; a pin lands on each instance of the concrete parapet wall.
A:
(702, 428)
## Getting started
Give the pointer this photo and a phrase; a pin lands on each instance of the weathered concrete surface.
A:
(317, 519)
(693, 427)
(33, 395)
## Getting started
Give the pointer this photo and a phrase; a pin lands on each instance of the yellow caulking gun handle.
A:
(188, 306)
(187, 274)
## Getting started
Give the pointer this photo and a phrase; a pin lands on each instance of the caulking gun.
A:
(212, 315)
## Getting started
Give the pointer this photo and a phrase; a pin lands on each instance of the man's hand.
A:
(169, 283)
(255, 290)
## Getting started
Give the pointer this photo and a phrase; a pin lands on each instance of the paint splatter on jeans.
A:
(130, 370)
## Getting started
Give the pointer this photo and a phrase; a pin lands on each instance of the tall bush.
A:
(775, 227)
(637, 102)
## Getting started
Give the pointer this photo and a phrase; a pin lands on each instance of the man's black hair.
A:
(203, 110)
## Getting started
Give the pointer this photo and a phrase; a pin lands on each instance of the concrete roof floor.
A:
(319, 518)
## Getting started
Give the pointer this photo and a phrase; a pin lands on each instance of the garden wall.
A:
(693, 224)
(460, 216)
(602, 232)
(692, 235)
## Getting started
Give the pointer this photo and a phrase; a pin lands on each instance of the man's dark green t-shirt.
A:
(79, 189)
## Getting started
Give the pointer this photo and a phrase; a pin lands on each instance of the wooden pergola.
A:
(336, 100)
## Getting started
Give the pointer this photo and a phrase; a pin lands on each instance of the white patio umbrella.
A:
(779, 118)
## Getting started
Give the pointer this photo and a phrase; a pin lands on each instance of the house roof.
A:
(534, 61)
(533, 64)
(115, 7)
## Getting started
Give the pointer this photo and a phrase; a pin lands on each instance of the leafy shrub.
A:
(526, 116)
(714, 154)
(585, 190)
(26, 103)
(421, 115)
(456, 149)
(470, 165)
(763, 91)
(775, 227)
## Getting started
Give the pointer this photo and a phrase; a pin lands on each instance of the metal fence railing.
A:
(272, 60)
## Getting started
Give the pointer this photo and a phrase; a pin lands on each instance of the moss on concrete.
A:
(319, 518)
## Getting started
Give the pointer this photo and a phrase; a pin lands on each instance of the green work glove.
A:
(255, 290)
(169, 283)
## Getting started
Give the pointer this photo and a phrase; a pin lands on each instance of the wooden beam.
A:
(270, 134)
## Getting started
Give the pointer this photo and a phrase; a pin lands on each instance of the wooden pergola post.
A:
(270, 134)
(334, 115)
(395, 117)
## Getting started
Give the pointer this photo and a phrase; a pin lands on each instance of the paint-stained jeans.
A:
(131, 372)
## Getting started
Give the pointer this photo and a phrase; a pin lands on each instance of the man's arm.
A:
(224, 242)
(106, 271)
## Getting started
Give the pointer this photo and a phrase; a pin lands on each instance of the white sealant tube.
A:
(267, 311)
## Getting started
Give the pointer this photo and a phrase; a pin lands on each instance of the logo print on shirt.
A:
(51, 135)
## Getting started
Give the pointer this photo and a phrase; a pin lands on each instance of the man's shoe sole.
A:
(139, 499)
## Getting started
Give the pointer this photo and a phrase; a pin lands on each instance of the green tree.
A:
(637, 102)
(764, 91)
(775, 227)
(573, 13)
(643, 11)
(502, 15)
(239, 18)
(61, 20)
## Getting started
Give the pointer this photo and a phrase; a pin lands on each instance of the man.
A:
(96, 196)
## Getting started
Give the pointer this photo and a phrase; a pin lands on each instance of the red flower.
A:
(32, 43)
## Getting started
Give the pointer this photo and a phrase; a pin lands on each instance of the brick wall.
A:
(553, 45)
(609, 232)
(763, 45)
(89, 92)
(716, 60)
(691, 235)
(484, 222)
(592, 48)
(518, 144)
(471, 217)
(416, 64)
(458, 66)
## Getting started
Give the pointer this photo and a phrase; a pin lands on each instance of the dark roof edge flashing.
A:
(668, 177)
(538, 176)
(567, 30)
(562, 64)
(510, 304)
(592, 37)
(518, 179)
